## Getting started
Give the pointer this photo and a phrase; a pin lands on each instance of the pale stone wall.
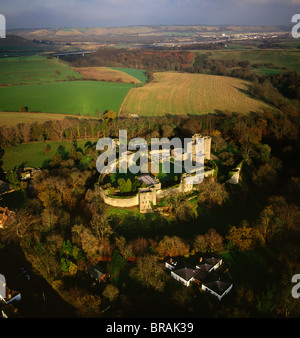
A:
(150, 195)
(124, 202)
(235, 177)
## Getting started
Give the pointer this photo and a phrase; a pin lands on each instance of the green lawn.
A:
(34, 69)
(67, 97)
(33, 153)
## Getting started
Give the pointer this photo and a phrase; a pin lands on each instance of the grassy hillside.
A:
(195, 94)
(34, 69)
(14, 45)
(268, 61)
(68, 97)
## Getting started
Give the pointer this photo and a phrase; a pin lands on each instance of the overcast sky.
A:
(98, 13)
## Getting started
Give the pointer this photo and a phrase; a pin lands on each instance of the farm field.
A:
(67, 97)
(139, 74)
(34, 69)
(191, 94)
(11, 119)
(276, 59)
(106, 74)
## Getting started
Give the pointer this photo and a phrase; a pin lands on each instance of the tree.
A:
(45, 262)
(49, 218)
(110, 115)
(242, 238)
(211, 193)
(264, 152)
(47, 149)
(13, 177)
(140, 246)
(167, 130)
(218, 143)
(125, 186)
(182, 210)
(125, 249)
(214, 240)
(278, 218)
(149, 272)
(200, 244)
(101, 226)
(227, 158)
(23, 130)
(20, 227)
(89, 243)
(171, 246)
(50, 198)
(264, 176)
(2, 175)
(72, 268)
(111, 292)
(23, 109)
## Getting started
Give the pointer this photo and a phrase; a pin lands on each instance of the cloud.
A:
(275, 2)
(86, 13)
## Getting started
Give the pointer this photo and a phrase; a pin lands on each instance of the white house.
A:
(210, 264)
(218, 288)
(202, 274)
(184, 274)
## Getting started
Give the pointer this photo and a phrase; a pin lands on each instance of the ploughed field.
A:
(192, 94)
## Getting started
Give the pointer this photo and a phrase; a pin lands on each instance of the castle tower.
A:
(207, 145)
(146, 197)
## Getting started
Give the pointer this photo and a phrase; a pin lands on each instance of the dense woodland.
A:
(64, 226)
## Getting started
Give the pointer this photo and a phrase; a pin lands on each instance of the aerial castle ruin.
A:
(152, 191)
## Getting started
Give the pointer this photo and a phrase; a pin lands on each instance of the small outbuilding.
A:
(97, 272)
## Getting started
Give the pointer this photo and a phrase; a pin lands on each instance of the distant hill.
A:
(84, 33)
(15, 41)
(19, 43)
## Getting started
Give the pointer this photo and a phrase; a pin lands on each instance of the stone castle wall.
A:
(146, 196)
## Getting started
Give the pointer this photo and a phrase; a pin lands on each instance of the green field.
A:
(34, 153)
(137, 73)
(34, 69)
(277, 59)
(67, 97)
